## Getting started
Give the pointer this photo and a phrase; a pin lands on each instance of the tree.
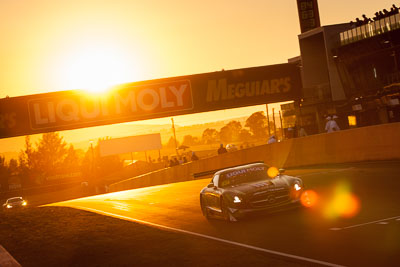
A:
(3, 174)
(97, 167)
(13, 166)
(210, 136)
(230, 132)
(245, 135)
(171, 143)
(189, 140)
(27, 157)
(257, 124)
(225, 134)
(51, 150)
(235, 127)
(3, 165)
(28, 163)
(71, 161)
(50, 157)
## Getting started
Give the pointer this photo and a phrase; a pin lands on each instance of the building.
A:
(351, 72)
(367, 60)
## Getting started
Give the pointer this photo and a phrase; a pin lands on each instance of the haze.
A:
(92, 44)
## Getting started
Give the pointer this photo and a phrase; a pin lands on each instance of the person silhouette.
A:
(222, 149)
(272, 139)
(331, 125)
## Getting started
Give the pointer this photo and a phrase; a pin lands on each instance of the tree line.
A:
(255, 128)
(52, 159)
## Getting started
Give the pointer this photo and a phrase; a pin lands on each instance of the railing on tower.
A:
(370, 29)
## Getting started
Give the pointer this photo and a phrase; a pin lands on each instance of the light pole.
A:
(91, 148)
(280, 119)
(269, 128)
(273, 118)
(173, 129)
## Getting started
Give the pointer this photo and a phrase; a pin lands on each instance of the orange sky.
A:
(51, 45)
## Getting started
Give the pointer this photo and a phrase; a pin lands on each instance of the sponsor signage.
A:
(308, 14)
(14, 182)
(132, 103)
(64, 176)
(130, 144)
(149, 99)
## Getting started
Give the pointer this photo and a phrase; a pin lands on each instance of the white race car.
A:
(14, 202)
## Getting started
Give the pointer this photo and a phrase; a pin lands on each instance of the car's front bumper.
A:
(240, 212)
(11, 207)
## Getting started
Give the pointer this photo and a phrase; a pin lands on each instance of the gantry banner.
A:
(130, 144)
(150, 99)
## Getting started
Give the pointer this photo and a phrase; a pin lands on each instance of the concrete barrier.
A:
(379, 142)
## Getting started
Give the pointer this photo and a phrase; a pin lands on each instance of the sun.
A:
(96, 67)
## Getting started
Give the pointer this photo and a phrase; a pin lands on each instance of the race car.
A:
(237, 191)
(14, 202)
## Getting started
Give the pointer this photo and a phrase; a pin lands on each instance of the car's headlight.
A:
(9, 206)
(297, 186)
(237, 199)
(24, 203)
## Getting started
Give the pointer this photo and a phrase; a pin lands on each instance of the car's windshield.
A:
(13, 200)
(244, 175)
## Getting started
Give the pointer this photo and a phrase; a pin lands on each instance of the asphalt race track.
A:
(355, 220)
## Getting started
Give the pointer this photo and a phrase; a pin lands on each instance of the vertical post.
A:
(91, 148)
(273, 118)
(280, 117)
(396, 68)
(269, 128)
(173, 129)
(145, 155)
(321, 128)
(92, 182)
(300, 119)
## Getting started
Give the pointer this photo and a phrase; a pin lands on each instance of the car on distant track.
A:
(14, 202)
(231, 147)
(237, 191)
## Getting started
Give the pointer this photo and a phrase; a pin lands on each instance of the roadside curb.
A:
(6, 260)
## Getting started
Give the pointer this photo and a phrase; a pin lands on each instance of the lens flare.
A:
(343, 204)
(309, 198)
(272, 172)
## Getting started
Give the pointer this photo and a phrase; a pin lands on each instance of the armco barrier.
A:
(380, 142)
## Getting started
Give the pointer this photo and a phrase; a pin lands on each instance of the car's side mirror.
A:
(210, 185)
(281, 171)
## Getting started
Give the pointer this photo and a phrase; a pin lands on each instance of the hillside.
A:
(80, 138)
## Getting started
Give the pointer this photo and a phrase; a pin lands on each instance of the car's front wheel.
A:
(204, 209)
(226, 213)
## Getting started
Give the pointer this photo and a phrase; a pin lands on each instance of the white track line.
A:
(362, 224)
(209, 237)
